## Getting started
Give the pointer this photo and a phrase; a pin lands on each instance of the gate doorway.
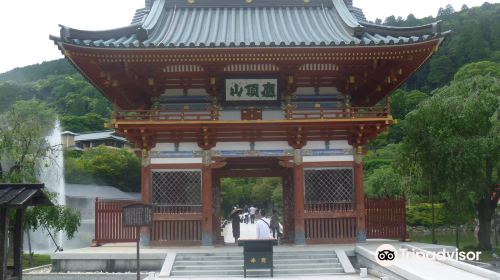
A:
(253, 168)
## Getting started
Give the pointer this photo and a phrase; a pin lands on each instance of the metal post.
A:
(137, 233)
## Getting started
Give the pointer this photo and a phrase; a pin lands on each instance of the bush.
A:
(105, 166)
(421, 214)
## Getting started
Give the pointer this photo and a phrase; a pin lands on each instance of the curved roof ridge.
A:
(68, 33)
(153, 16)
(431, 28)
(344, 13)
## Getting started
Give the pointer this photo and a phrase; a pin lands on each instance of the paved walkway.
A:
(247, 231)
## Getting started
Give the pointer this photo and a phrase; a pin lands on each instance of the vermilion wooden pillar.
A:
(360, 198)
(207, 231)
(298, 188)
(145, 191)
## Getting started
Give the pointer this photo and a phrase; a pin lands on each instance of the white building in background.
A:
(82, 141)
(83, 197)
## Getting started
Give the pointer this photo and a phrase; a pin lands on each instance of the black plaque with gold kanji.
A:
(258, 254)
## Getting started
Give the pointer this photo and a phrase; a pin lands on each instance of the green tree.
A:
(11, 92)
(454, 137)
(86, 123)
(23, 147)
(260, 192)
(384, 182)
(478, 69)
(105, 165)
(22, 142)
(403, 102)
(53, 218)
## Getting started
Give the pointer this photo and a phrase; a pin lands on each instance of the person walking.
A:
(263, 227)
(235, 223)
(246, 214)
(275, 224)
(252, 214)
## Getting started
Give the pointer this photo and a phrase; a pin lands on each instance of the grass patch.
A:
(38, 260)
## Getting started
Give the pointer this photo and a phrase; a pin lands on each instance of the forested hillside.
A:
(81, 108)
(38, 71)
(475, 37)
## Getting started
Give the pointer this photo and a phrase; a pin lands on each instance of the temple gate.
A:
(290, 89)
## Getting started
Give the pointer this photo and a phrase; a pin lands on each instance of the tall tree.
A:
(22, 142)
(23, 148)
(454, 137)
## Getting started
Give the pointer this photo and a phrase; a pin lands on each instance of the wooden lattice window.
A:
(328, 189)
(176, 187)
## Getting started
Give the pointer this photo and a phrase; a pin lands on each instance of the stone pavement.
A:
(247, 231)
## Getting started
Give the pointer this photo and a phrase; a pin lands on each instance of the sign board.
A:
(257, 254)
(251, 90)
(138, 215)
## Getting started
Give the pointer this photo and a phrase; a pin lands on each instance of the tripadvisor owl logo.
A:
(386, 255)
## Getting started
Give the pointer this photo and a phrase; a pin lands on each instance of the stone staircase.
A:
(226, 264)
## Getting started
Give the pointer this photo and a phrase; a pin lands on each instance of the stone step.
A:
(208, 258)
(240, 256)
(223, 266)
(208, 262)
(306, 263)
(221, 254)
(277, 272)
(277, 261)
(305, 252)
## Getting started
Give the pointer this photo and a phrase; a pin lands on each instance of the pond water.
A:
(466, 239)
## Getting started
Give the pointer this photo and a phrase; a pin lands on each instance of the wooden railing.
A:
(108, 222)
(336, 113)
(386, 218)
(329, 222)
(182, 229)
(330, 230)
(165, 115)
(172, 225)
(213, 115)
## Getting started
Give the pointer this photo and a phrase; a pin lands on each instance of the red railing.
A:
(108, 222)
(336, 113)
(166, 115)
(330, 230)
(213, 115)
(386, 218)
(172, 225)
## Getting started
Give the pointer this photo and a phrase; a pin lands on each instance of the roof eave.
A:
(433, 28)
(68, 33)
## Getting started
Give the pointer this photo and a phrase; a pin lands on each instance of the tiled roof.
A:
(93, 191)
(22, 195)
(99, 136)
(265, 23)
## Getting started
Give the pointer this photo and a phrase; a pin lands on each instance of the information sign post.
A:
(138, 215)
